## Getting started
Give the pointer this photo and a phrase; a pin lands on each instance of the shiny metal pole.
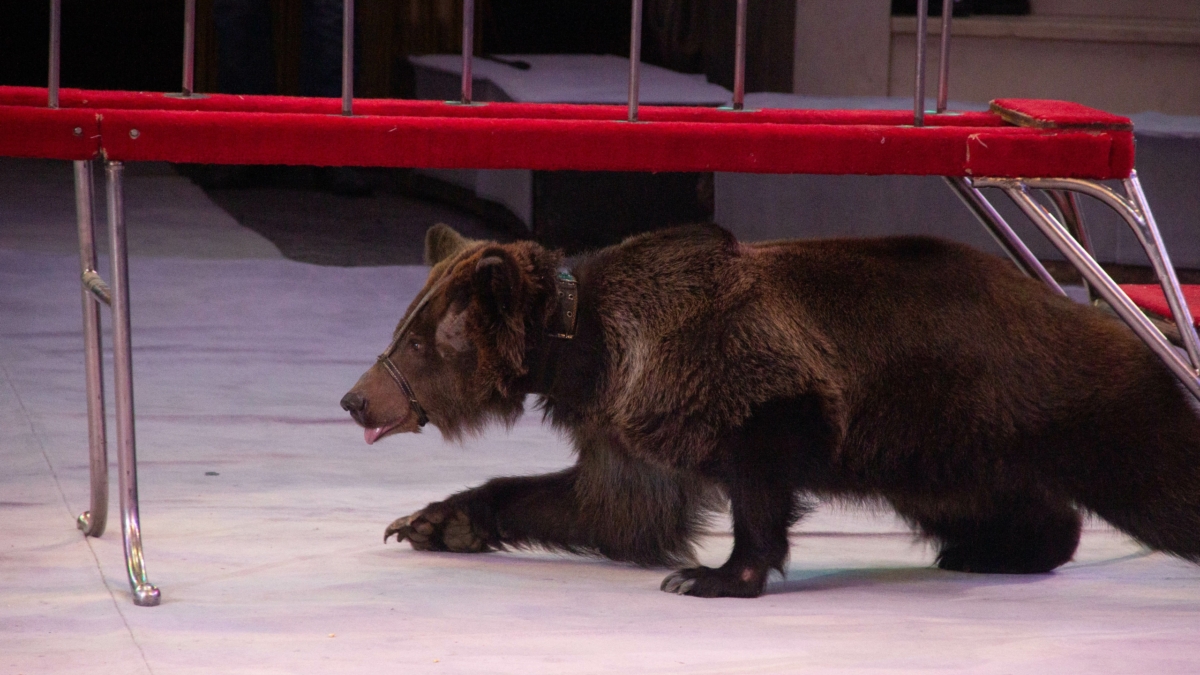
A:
(1135, 211)
(922, 39)
(739, 57)
(144, 593)
(468, 49)
(1018, 191)
(1150, 237)
(1000, 230)
(635, 58)
(944, 58)
(55, 52)
(92, 521)
(1067, 205)
(189, 48)
(347, 57)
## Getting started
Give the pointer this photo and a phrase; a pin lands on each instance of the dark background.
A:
(137, 44)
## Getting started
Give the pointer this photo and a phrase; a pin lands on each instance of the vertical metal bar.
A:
(189, 47)
(635, 58)
(739, 57)
(347, 57)
(922, 39)
(55, 52)
(144, 593)
(1000, 230)
(944, 58)
(468, 49)
(92, 521)
(1151, 240)
(1104, 284)
(1067, 205)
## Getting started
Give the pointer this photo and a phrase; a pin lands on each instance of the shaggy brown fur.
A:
(983, 408)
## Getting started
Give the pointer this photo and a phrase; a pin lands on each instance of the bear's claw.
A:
(677, 583)
(399, 527)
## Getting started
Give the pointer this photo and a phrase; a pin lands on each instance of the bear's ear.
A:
(441, 242)
(498, 286)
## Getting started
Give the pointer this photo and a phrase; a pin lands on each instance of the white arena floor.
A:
(276, 564)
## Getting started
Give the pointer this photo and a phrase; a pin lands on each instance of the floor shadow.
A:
(826, 580)
(309, 223)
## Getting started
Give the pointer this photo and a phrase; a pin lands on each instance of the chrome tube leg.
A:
(922, 40)
(1000, 230)
(347, 57)
(1067, 205)
(468, 49)
(635, 58)
(55, 52)
(944, 57)
(1104, 285)
(1148, 234)
(739, 57)
(189, 47)
(92, 521)
(144, 593)
(1135, 210)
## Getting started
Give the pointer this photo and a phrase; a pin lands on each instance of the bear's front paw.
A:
(438, 527)
(722, 582)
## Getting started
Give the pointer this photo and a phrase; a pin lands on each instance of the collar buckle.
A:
(568, 305)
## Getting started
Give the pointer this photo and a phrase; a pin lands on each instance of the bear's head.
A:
(459, 354)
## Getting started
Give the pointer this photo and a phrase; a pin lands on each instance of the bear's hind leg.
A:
(1167, 521)
(1018, 534)
(1150, 484)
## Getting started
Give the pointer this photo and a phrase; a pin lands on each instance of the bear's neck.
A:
(566, 371)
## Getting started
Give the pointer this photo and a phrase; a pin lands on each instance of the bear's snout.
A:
(354, 403)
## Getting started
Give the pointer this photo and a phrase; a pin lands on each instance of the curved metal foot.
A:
(85, 524)
(146, 595)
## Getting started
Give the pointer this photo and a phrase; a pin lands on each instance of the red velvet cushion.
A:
(604, 145)
(228, 129)
(49, 134)
(1150, 297)
(1028, 112)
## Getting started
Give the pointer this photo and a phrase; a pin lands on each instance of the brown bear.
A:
(690, 370)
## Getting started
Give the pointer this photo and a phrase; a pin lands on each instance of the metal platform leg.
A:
(92, 521)
(144, 593)
(1067, 205)
(1136, 212)
(1000, 230)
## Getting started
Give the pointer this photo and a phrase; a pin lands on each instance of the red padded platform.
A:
(1150, 297)
(1043, 114)
(50, 134)
(225, 129)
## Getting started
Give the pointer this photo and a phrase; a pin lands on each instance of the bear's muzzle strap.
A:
(385, 359)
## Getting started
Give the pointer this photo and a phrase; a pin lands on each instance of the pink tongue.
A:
(372, 435)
